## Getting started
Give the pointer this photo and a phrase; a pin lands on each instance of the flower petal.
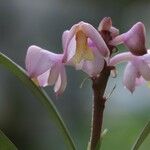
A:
(95, 36)
(93, 68)
(90, 32)
(114, 32)
(54, 73)
(39, 60)
(119, 58)
(134, 39)
(71, 49)
(146, 58)
(67, 37)
(117, 40)
(43, 79)
(64, 38)
(61, 82)
(33, 53)
(130, 75)
(144, 70)
(139, 81)
(105, 24)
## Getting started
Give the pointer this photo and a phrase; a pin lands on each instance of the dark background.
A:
(42, 22)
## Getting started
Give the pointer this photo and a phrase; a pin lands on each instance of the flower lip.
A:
(93, 68)
(82, 49)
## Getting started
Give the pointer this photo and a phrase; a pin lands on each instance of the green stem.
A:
(41, 96)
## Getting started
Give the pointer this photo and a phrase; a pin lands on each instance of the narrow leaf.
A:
(89, 146)
(98, 146)
(145, 132)
(5, 143)
(40, 95)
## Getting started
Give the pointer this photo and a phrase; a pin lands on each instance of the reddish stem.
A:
(99, 86)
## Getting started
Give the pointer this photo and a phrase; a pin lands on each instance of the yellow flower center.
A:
(83, 52)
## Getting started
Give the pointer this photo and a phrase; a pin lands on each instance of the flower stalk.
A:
(99, 86)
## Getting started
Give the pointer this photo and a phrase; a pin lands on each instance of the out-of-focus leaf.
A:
(88, 146)
(40, 95)
(144, 133)
(98, 146)
(5, 143)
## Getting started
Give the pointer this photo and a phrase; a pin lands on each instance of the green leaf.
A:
(40, 95)
(144, 133)
(89, 146)
(98, 146)
(5, 143)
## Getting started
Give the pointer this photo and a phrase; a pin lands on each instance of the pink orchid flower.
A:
(134, 39)
(86, 48)
(76, 43)
(105, 27)
(46, 68)
(94, 67)
(136, 71)
(108, 32)
(82, 42)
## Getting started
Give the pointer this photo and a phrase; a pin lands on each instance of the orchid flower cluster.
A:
(89, 49)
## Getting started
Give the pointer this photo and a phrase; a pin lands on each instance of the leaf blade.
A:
(98, 146)
(5, 142)
(143, 135)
